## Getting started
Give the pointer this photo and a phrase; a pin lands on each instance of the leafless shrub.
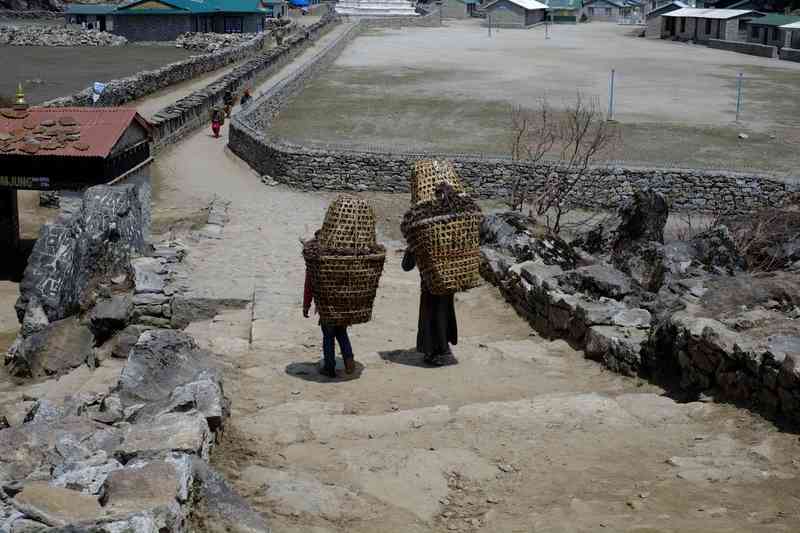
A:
(765, 237)
(575, 136)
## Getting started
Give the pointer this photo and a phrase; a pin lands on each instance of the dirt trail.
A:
(522, 435)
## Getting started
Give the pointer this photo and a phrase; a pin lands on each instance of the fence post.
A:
(489, 24)
(611, 97)
(738, 96)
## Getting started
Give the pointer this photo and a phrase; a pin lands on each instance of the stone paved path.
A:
(522, 435)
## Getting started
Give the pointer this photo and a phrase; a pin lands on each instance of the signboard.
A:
(25, 182)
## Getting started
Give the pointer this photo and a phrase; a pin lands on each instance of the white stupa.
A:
(375, 8)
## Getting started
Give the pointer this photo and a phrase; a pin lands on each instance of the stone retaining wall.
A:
(790, 54)
(310, 168)
(424, 20)
(122, 91)
(27, 15)
(753, 49)
(193, 111)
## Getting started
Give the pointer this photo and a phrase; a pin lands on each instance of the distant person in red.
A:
(217, 120)
(330, 334)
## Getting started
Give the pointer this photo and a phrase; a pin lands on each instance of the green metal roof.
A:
(773, 19)
(89, 9)
(195, 7)
(564, 4)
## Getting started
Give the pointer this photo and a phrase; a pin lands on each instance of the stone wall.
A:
(424, 20)
(121, 91)
(29, 15)
(194, 110)
(752, 49)
(790, 54)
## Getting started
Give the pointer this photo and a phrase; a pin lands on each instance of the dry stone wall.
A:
(190, 112)
(122, 91)
(753, 49)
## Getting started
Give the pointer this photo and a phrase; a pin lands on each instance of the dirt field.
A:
(451, 90)
(50, 72)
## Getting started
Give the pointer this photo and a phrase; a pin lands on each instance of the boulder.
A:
(35, 319)
(56, 349)
(125, 340)
(148, 275)
(618, 348)
(521, 237)
(56, 506)
(140, 486)
(644, 262)
(182, 432)
(642, 219)
(716, 249)
(598, 280)
(111, 315)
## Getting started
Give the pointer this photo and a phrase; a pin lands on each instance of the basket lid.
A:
(428, 173)
(349, 223)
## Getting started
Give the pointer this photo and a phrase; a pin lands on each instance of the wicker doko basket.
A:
(345, 263)
(444, 234)
(428, 174)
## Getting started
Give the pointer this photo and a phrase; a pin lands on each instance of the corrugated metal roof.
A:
(530, 5)
(690, 12)
(774, 19)
(564, 4)
(89, 9)
(792, 26)
(191, 6)
(65, 131)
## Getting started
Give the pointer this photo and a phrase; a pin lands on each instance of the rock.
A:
(744, 136)
(125, 340)
(50, 35)
(60, 347)
(139, 487)
(618, 348)
(96, 240)
(147, 275)
(160, 361)
(182, 432)
(211, 42)
(632, 318)
(598, 280)
(110, 316)
(86, 476)
(23, 525)
(221, 505)
(49, 199)
(643, 219)
(35, 318)
(206, 396)
(644, 262)
(522, 238)
(56, 506)
(716, 249)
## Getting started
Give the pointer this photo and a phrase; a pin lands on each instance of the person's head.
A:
(247, 91)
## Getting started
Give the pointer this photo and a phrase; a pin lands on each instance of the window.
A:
(754, 32)
(608, 11)
(708, 26)
(233, 25)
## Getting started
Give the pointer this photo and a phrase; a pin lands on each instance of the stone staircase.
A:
(375, 8)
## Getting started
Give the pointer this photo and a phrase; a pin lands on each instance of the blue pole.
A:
(611, 97)
(738, 96)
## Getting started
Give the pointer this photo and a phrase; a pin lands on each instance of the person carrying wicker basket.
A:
(442, 230)
(344, 264)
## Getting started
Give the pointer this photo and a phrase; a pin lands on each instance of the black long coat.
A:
(437, 317)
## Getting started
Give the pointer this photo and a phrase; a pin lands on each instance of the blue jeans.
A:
(330, 334)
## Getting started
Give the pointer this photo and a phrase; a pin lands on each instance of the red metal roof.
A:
(65, 131)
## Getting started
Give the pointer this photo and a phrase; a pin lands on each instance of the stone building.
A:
(611, 10)
(767, 30)
(514, 13)
(563, 11)
(95, 16)
(164, 20)
(459, 9)
(699, 25)
(653, 18)
(792, 35)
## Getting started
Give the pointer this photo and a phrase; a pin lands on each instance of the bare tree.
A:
(576, 135)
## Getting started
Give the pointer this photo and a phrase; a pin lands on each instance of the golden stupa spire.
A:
(20, 102)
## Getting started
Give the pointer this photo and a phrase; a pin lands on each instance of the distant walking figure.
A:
(217, 120)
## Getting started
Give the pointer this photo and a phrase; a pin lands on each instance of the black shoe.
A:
(434, 360)
(328, 371)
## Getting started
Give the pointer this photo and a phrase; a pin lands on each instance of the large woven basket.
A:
(344, 285)
(345, 263)
(428, 174)
(447, 249)
(349, 223)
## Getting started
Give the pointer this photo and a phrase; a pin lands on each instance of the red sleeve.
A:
(308, 294)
